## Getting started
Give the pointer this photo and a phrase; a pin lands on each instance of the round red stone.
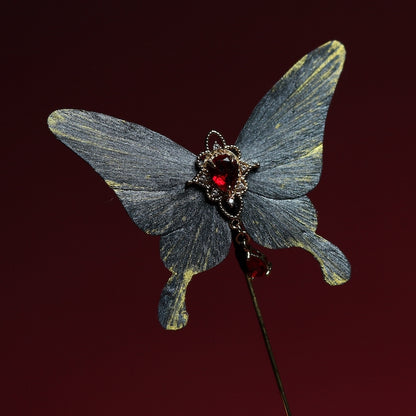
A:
(256, 267)
(224, 173)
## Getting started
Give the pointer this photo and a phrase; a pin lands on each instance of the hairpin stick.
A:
(243, 251)
(268, 345)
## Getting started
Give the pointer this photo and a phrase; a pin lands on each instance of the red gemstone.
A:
(224, 173)
(256, 267)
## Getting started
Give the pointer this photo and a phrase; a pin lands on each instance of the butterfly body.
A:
(281, 144)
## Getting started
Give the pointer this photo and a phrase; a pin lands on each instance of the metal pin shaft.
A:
(268, 346)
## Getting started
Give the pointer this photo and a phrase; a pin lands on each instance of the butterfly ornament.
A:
(253, 190)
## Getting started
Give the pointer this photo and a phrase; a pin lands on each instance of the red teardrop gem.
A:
(256, 267)
(224, 173)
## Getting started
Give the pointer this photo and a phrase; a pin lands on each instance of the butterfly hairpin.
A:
(253, 190)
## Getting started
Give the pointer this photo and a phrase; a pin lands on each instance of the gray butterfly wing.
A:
(285, 130)
(148, 172)
(281, 223)
(284, 135)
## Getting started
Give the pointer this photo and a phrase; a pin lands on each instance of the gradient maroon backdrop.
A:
(80, 282)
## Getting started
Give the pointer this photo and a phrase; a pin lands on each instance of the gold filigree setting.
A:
(222, 175)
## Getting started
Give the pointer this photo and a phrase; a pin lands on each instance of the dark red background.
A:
(80, 283)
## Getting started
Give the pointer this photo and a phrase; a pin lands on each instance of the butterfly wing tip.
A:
(172, 311)
(173, 324)
(56, 117)
(333, 48)
(339, 276)
(338, 48)
(337, 280)
(53, 118)
(335, 44)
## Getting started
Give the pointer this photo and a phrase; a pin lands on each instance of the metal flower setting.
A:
(223, 175)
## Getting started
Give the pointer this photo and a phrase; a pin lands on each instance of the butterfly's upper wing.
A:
(285, 130)
(284, 135)
(148, 172)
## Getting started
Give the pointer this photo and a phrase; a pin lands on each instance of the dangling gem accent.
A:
(257, 264)
(254, 262)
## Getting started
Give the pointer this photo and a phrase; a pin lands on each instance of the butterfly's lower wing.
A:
(285, 223)
(284, 134)
(212, 236)
(148, 172)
